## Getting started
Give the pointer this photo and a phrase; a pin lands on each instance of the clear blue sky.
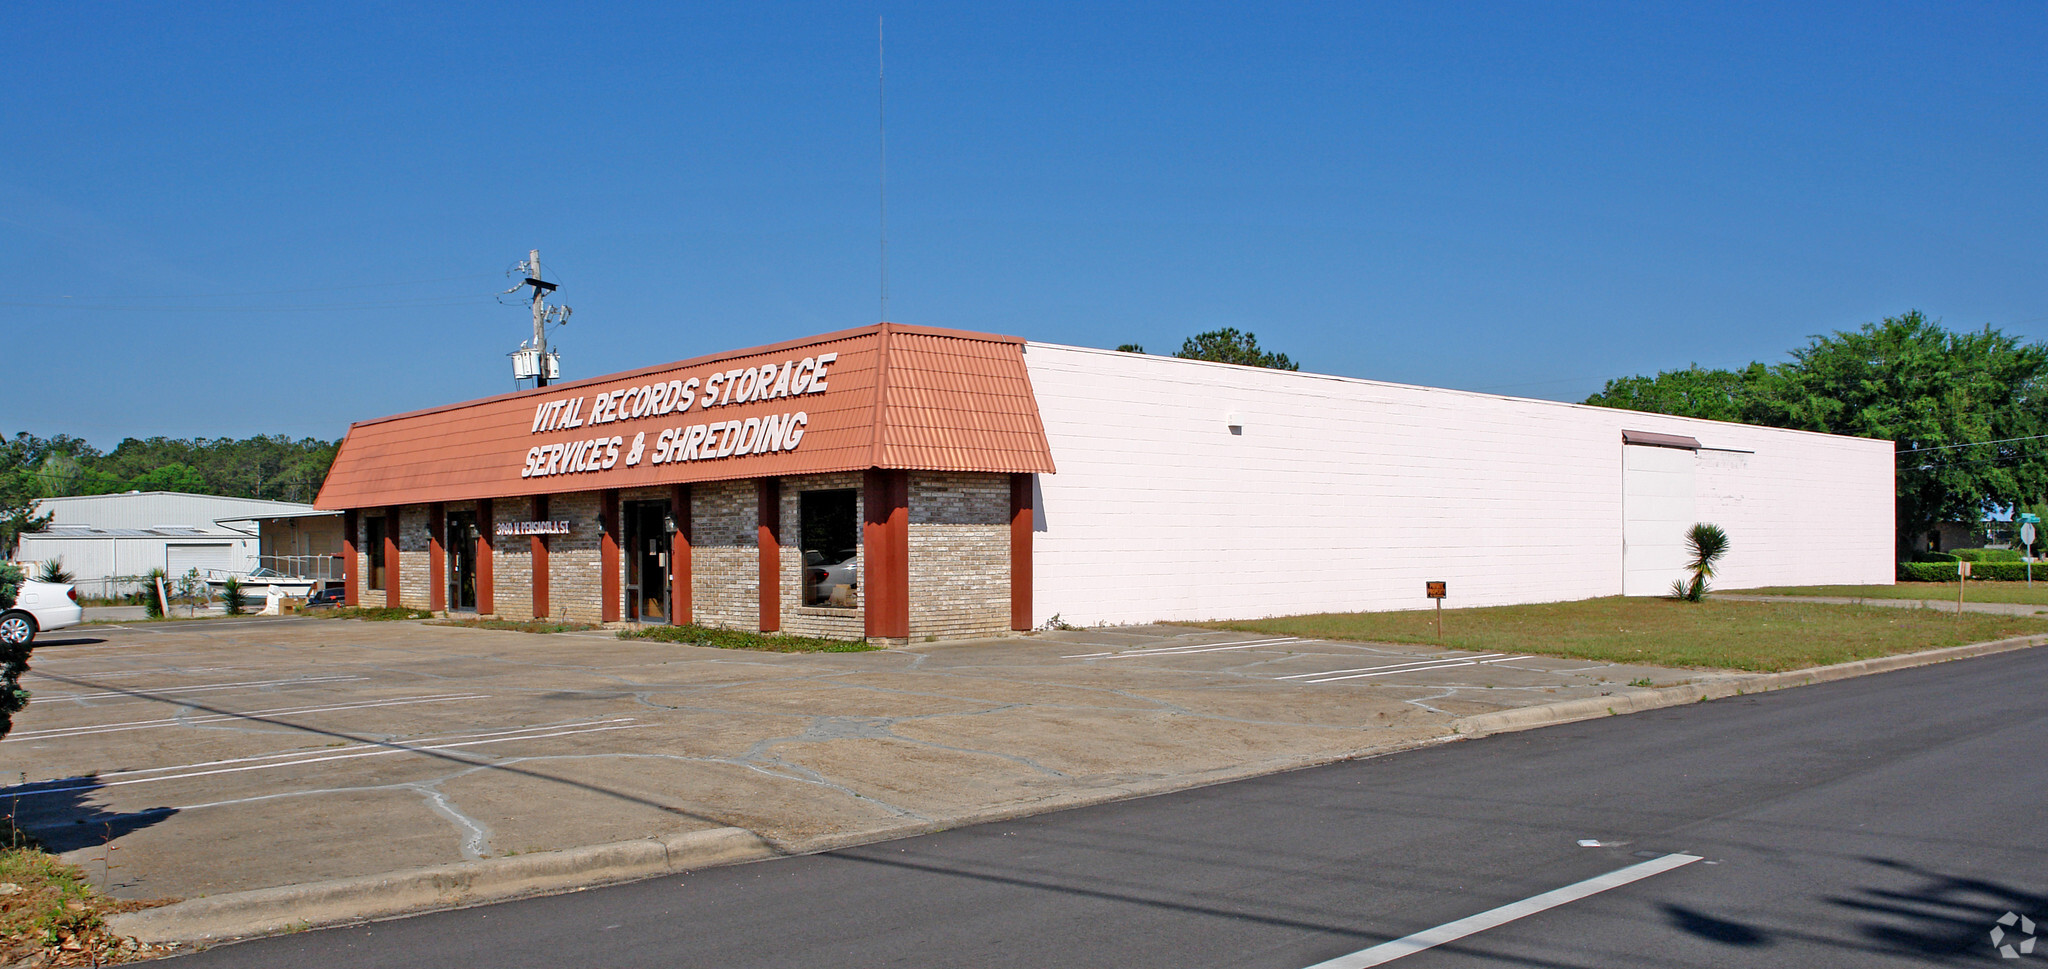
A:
(223, 219)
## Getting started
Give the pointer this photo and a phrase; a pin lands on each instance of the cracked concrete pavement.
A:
(195, 758)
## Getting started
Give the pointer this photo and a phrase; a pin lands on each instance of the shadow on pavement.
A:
(59, 813)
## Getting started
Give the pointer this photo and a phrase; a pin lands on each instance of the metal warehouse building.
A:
(900, 482)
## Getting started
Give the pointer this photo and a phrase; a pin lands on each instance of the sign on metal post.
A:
(1437, 591)
(2027, 520)
(1962, 579)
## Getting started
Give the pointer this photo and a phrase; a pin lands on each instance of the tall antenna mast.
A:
(882, 121)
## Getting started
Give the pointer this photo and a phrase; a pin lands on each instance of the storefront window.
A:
(831, 547)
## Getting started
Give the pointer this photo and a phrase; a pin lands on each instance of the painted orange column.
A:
(608, 556)
(540, 560)
(486, 540)
(391, 523)
(1020, 552)
(350, 581)
(437, 558)
(768, 528)
(682, 584)
(885, 553)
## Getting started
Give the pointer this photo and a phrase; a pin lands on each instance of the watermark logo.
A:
(2012, 945)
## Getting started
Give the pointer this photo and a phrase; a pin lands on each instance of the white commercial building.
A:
(1191, 490)
(110, 541)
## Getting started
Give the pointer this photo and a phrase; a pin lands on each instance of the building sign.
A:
(1434, 589)
(557, 527)
(705, 441)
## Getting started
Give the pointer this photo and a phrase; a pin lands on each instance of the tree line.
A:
(265, 466)
(1967, 410)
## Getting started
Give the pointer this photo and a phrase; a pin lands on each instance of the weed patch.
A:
(376, 614)
(50, 915)
(738, 639)
(529, 626)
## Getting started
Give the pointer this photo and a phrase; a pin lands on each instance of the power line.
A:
(1951, 447)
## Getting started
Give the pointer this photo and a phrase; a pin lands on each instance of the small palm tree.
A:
(1707, 544)
(53, 570)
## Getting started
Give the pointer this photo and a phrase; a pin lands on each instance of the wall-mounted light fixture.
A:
(1234, 421)
(668, 523)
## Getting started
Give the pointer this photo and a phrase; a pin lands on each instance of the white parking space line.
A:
(1184, 650)
(304, 758)
(160, 671)
(150, 694)
(1391, 666)
(58, 733)
(1417, 668)
(1386, 952)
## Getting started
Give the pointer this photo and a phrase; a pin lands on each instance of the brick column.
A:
(486, 539)
(1020, 552)
(391, 523)
(608, 555)
(681, 608)
(768, 516)
(437, 558)
(350, 581)
(540, 560)
(885, 553)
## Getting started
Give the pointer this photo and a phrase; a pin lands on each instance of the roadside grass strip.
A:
(2019, 593)
(302, 758)
(1419, 666)
(1386, 952)
(59, 733)
(1764, 637)
(1184, 650)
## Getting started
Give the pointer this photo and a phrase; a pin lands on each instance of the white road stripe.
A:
(381, 751)
(205, 688)
(1189, 648)
(1447, 664)
(54, 733)
(1394, 666)
(393, 745)
(1387, 952)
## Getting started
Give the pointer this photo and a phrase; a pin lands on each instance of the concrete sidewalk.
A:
(293, 770)
(1939, 605)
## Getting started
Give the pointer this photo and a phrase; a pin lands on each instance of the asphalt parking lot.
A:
(194, 758)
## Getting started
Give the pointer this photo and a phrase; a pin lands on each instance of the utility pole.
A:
(536, 358)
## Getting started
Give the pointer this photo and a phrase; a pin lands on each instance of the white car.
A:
(39, 606)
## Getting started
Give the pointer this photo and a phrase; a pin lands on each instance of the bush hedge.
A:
(1990, 555)
(1990, 571)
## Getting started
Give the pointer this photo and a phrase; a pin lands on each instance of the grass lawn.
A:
(1939, 591)
(1716, 634)
(738, 639)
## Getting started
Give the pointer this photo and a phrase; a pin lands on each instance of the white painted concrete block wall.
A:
(1346, 494)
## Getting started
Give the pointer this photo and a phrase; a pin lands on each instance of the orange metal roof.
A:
(895, 396)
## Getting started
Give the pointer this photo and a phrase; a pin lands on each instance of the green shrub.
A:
(152, 601)
(234, 597)
(10, 583)
(54, 571)
(1979, 571)
(1933, 557)
(1989, 555)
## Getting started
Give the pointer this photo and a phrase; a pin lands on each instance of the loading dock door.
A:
(1657, 510)
(180, 558)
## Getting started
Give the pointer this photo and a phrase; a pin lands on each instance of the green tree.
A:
(1230, 346)
(1960, 406)
(1720, 395)
(176, 476)
(13, 656)
(1953, 402)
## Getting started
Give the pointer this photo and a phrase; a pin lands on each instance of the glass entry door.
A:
(461, 546)
(647, 576)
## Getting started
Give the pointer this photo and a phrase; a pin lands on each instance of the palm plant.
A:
(1707, 543)
(53, 570)
(234, 597)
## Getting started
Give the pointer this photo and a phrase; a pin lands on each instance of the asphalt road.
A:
(1882, 821)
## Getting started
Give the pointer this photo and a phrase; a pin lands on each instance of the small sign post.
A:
(1436, 592)
(2027, 522)
(1962, 579)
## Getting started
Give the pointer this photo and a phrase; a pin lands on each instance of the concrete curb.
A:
(1527, 718)
(267, 911)
(414, 891)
